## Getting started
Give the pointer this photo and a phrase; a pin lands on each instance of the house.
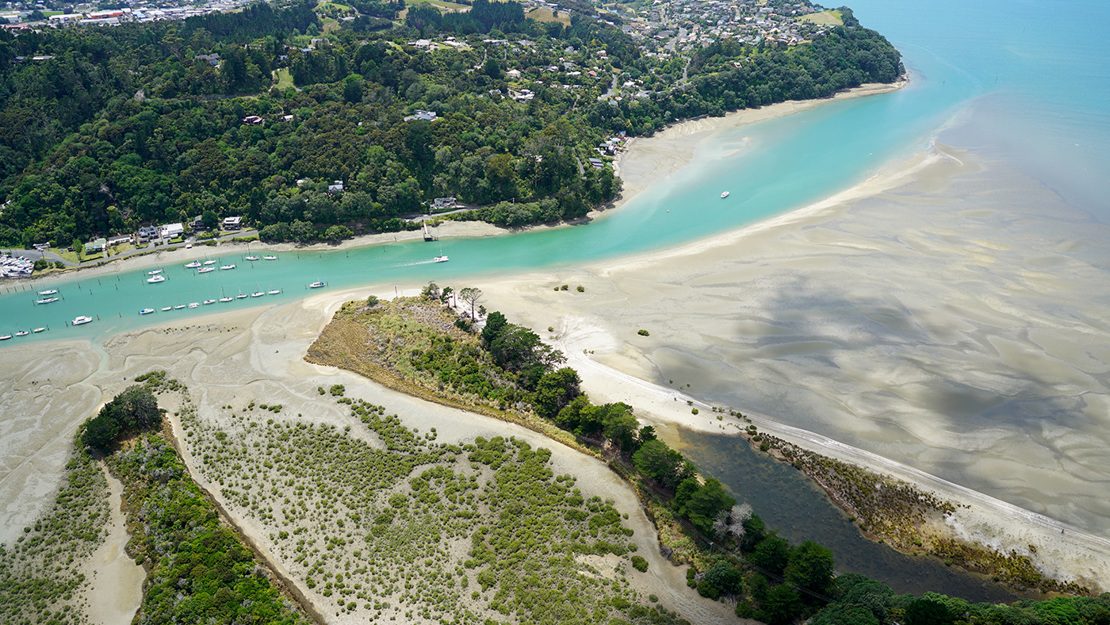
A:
(253, 120)
(336, 187)
(597, 163)
(513, 73)
(197, 223)
(441, 203)
(147, 233)
(428, 116)
(212, 59)
(96, 246)
(171, 231)
(119, 240)
(232, 223)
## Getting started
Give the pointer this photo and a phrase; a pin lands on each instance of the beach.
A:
(878, 326)
(934, 323)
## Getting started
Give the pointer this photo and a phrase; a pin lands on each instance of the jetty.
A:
(428, 236)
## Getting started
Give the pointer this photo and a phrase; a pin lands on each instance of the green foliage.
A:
(772, 554)
(702, 503)
(200, 572)
(133, 410)
(643, 332)
(40, 578)
(640, 564)
(810, 567)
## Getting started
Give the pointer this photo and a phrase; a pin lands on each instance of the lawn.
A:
(547, 15)
(830, 18)
(284, 79)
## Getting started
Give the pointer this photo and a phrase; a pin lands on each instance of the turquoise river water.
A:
(1020, 81)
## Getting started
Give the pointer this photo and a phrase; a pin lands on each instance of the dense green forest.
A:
(109, 129)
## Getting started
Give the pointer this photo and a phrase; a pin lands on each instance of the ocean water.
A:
(1020, 80)
(1019, 83)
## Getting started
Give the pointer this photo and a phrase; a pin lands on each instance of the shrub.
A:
(639, 563)
(643, 332)
(581, 289)
(694, 411)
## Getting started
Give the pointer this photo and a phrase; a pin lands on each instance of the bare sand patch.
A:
(907, 325)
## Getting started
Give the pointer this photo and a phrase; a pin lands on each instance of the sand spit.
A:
(256, 355)
(116, 590)
(944, 322)
(646, 160)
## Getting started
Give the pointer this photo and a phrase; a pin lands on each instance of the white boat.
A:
(194, 305)
(146, 311)
(316, 285)
(193, 265)
(225, 299)
(206, 269)
(250, 258)
(442, 258)
(257, 294)
(5, 337)
(167, 308)
(274, 292)
(37, 330)
(81, 320)
(156, 279)
(49, 292)
(179, 307)
(269, 258)
(209, 301)
(242, 296)
(22, 333)
(154, 272)
(46, 300)
(209, 262)
(226, 267)
(724, 195)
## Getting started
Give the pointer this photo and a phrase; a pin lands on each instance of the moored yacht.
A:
(81, 320)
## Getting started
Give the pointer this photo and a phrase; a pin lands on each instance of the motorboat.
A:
(5, 337)
(194, 305)
(316, 285)
(81, 320)
(46, 300)
(274, 292)
(442, 258)
(146, 311)
(206, 269)
(154, 272)
(225, 299)
(156, 279)
(724, 195)
(167, 308)
(257, 294)
(209, 301)
(48, 292)
(179, 307)
(250, 258)
(269, 258)
(209, 262)
(37, 330)
(193, 265)
(226, 267)
(22, 333)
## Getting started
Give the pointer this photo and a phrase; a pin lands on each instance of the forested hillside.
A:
(257, 113)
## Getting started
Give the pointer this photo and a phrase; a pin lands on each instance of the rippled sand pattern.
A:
(959, 324)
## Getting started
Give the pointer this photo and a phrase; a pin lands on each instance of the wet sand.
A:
(257, 355)
(945, 322)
